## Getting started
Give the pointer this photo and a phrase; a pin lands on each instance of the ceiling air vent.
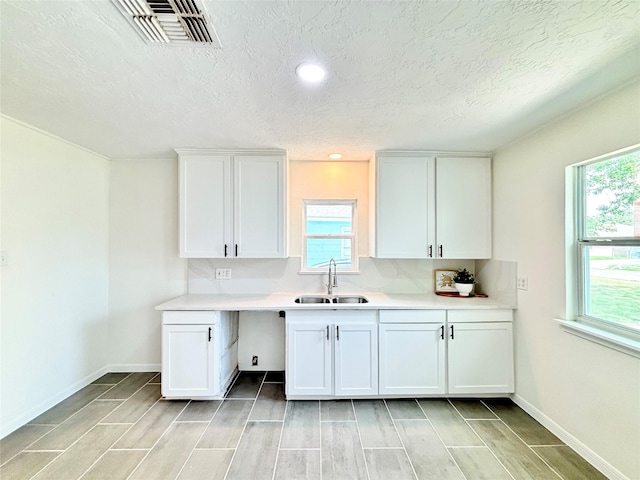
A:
(169, 21)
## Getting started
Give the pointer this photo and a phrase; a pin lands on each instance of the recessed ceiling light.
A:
(335, 156)
(310, 72)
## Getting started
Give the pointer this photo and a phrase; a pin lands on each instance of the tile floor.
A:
(118, 428)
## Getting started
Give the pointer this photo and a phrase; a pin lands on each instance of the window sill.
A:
(601, 337)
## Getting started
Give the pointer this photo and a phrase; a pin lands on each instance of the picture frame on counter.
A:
(443, 280)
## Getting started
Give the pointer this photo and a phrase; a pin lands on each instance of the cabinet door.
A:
(356, 359)
(188, 357)
(412, 359)
(405, 206)
(463, 213)
(480, 358)
(205, 205)
(309, 355)
(259, 206)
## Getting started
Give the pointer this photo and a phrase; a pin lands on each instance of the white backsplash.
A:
(497, 279)
(282, 275)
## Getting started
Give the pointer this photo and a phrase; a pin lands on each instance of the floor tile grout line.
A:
(522, 440)
(364, 457)
(435, 430)
(404, 447)
(481, 439)
(284, 417)
(159, 438)
(235, 450)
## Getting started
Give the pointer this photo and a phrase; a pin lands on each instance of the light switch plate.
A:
(522, 283)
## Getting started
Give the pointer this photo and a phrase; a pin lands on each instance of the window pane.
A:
(612, 283)
(328, 219)
(321, 250)
(612, 192)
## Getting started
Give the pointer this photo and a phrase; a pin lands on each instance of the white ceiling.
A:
(436, 75)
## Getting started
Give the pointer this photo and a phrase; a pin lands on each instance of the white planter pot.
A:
(464, 289)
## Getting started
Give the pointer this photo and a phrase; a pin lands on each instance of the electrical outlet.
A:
(4, 258)
(522, 283)
(223, 273)
(254, 361)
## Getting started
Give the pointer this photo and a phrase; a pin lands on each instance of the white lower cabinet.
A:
(199, 353)
(412, 355)
(331, 353)
(480, 352)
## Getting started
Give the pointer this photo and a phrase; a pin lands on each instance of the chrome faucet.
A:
(333, 280)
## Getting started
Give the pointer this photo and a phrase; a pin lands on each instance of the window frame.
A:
(607, 332)
(353, 236)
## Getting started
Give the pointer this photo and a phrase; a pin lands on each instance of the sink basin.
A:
(350, 299)
(331, 299)
(312, 299)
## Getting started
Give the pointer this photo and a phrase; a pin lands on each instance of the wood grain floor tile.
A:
(405, 409)
(517, 457)
(568, 463)
(525, 426)
(146, 431)
(168, 456)
(128, 386)
(77, 425)
(17, 441)
(207, 465)
(226, 427)
(384, 464)
(301, 425)
(111, 378)
(135, 406)
(337, 411)
(478, 463)
(452, 428)
(270, 404)
(199, 411)
(115, 465)
(341, 455)
(298, 465)
(26, 464)
(80, 457)
(70, 405)
(430, 458)
(375, 424)
(472, 409)
(246, 385)
(257, 451)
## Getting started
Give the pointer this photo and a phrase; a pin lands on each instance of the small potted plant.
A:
(463, 281)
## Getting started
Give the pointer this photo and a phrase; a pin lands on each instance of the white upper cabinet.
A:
(463, 207)
(405, 207)
(232, 204)
(431, 207)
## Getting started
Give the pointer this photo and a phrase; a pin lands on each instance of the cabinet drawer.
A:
(190, 317)
(412, 316)
(480, 316)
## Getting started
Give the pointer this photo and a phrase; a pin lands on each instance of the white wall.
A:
(591, 392)
(54, 298)
(144, 266)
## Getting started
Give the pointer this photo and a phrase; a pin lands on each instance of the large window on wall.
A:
(329, 232)
(607, 247)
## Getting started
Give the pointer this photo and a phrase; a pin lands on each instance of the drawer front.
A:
(190, 317)
(470, 316)
(332, 316)
(412, 316)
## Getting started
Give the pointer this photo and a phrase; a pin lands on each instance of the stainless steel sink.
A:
(315, 299)
(312, 299)
(350, 299)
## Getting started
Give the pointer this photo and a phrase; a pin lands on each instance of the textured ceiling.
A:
(437, 75)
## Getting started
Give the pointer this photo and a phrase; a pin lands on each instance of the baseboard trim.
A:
(133, 367)
(589, 455)
(50, 402)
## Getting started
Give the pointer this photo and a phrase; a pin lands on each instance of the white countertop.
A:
(285, 301)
